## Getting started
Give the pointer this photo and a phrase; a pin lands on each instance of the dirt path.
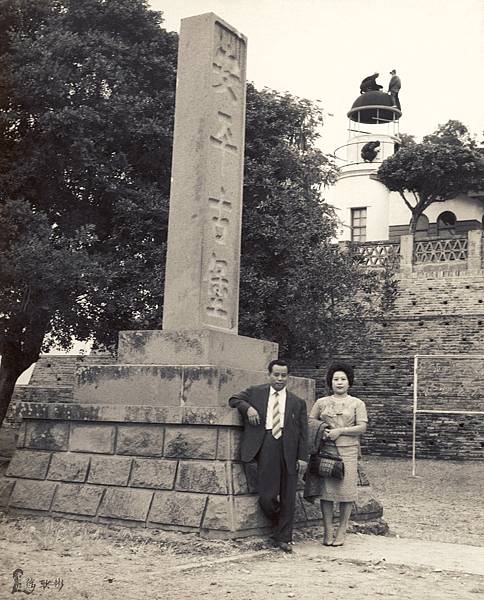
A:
(146, 572)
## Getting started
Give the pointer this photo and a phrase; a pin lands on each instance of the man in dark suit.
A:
(275, 436)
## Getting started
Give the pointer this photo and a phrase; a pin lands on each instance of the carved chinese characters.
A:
(203, 258)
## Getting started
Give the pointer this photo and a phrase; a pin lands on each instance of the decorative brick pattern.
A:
(34, 495)
(77, 499)
(92, 438)
(140, 440)
(190, 442)
(128, 504)
(152, 473)
(29, 464)
(109, 470)
(68, 466)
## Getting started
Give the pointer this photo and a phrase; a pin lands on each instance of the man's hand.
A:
(253, 416)
(301, 466)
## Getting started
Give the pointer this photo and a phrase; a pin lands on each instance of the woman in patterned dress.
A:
(347, 419)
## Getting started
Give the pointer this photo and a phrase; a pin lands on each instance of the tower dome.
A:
(374, 107)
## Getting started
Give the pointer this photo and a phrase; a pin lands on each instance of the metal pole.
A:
(414, 427)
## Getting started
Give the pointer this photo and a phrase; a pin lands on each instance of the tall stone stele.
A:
(151, 440)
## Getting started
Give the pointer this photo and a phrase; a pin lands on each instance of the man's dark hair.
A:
(277, 361)
(339, 366)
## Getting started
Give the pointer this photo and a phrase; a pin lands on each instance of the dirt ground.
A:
(99, 562)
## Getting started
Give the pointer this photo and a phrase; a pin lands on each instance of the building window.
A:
(422, 229)
(358, 224)
(446, 224)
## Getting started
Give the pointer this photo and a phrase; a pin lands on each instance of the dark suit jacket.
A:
(295, 435)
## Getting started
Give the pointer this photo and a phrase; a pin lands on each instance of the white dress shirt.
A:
(270, 404)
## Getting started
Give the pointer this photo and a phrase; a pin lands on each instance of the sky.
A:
(322, 49)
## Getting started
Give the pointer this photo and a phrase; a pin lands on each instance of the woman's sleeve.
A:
(316, 410)
(360, 413)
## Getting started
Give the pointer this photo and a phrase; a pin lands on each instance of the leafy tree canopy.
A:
(86, 115)
(452, 133)
(296, 287)
(444, 165)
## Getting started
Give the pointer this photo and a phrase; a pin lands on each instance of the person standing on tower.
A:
(394, 87)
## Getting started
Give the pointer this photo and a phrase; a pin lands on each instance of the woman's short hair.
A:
(339, 366)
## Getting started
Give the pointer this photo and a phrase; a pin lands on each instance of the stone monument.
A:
(150, 440)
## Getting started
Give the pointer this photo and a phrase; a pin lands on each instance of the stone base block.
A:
(172, 386)
(195, 347)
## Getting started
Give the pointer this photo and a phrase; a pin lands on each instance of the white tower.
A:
(361, 201)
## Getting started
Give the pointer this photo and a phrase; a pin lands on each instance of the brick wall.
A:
(432, 315)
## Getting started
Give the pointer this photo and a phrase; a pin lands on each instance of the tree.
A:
(296, 287)
(452, 133)
(86, 112)
(431, 172)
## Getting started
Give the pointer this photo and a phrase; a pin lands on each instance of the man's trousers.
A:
(276, 488)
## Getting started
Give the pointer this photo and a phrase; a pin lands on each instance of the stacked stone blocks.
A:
(177, 475)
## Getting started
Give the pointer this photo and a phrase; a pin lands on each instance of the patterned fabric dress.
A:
(341, 412)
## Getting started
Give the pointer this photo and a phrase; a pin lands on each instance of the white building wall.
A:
(462, 206)
(360, 191)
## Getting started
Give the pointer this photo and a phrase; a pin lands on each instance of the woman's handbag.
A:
(327, 464)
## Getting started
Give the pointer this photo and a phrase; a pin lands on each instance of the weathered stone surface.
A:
(29, 464)
(127, 503)
(92, 438)
(77, 499)
(367, 507)
(228, 445)
(151, 473)
(190, 442)
(177, 508)
(20, 443)
(299, 512)
(150, 385)
(219, 514)
(109, 470)
(195, 347)
(68, 466)
(45, 435)
(203, 256)
(6, 488)
(140, 440)
(103, 412)
(239, 479)
(211, 415)
(35, 495)
(247, 513)
(312, 510)
(202, 476)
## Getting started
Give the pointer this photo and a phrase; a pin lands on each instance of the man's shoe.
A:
(285, 547)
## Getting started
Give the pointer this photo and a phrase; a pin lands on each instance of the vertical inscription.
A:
(224, 203)
(221, 219)
(203, 250)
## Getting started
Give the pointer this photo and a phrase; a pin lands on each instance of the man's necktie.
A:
(276, 417)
